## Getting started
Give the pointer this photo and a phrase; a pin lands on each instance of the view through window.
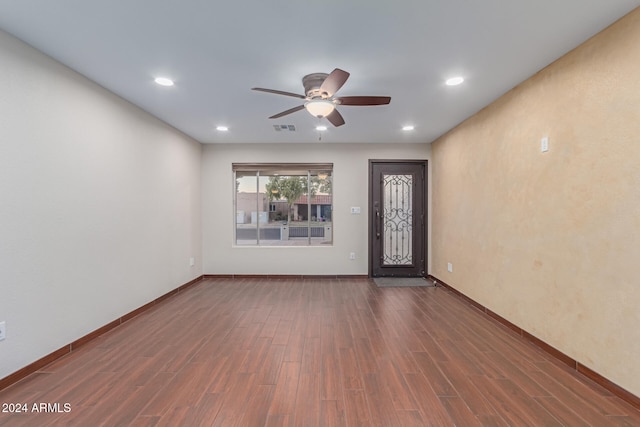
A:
(283, 204)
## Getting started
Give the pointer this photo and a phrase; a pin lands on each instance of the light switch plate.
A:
(544, 144)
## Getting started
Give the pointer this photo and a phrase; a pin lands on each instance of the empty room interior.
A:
(340, 213)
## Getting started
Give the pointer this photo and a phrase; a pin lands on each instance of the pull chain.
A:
(318, 129)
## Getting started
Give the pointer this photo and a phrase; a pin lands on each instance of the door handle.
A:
(377, 224)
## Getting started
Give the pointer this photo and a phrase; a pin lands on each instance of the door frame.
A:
(370, 232)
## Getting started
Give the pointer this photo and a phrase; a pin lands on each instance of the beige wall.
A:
(350, 233)
(99, 206)
(551, 241)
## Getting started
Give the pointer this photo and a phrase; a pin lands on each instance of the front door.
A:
(397, 218)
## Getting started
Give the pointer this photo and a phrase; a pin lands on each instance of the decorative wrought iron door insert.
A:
(397, 219)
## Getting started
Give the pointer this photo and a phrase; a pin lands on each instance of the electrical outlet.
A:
(355, 210)
(450, 267)
(352, 256)
(192, 261)
(3, 330)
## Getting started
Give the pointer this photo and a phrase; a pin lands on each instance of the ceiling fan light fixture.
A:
(319, 107)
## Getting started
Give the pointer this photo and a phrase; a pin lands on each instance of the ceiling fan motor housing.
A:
(312, 83)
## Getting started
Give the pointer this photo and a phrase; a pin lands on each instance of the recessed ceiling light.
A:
(409, 127)
(321, 127)
(163, 81)
(454, 81)
(222, 128)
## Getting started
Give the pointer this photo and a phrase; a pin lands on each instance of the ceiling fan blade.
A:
(278, 92)
(334, 82)
(335, 118)
(363, 100)
(289, 111)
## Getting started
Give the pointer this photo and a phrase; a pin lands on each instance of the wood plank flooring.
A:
(262, 352)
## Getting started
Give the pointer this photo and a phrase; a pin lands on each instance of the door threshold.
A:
(400, 282)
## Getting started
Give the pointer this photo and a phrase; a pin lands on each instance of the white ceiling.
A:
(217, 51)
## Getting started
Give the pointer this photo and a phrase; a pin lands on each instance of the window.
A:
(284, 204)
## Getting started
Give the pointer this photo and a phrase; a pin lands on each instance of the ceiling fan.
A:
(320, 89)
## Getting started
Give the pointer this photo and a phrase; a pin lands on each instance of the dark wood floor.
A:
(253, 352)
